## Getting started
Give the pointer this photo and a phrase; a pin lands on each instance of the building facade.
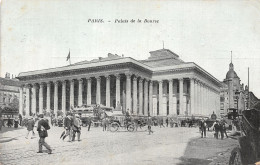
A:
(9, 93)
(233, 94)
(161, 85)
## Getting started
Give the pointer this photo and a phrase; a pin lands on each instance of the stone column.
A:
(21, 100)
(89, 92)
(151, 98)
(135, 95)
(80, 92)
(145, 97)
(128, 92)
(48, 98)
(34, 99)
(27, 108)
(72, 94)
(195, 97)
(118, 89)
(203, 98)
(161, 97)
(63, 98)
(207, 101)
(98, 90)
(41, 98)
(192, 97)
(140, 96)
(170, 97)
(56, 85)
(181, 96)
(108, 91)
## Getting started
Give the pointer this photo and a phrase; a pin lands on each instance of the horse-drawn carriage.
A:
(248, 151)
(119, 120)
(91, 114)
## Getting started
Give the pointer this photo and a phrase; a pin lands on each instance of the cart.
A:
(248, 151)
(121, 121)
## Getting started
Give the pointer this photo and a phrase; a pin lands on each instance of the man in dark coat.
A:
(68, 123)
(203, 126)
(217, 129)
(42, 128)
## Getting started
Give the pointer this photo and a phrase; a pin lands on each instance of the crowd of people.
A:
(219, 128)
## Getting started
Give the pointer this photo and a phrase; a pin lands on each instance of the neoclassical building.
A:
(161, 85)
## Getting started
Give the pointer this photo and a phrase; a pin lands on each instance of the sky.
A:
(38, 34)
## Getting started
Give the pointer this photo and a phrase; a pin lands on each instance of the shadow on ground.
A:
(204, 151)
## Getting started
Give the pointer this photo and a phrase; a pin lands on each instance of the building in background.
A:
(9, 96)
(233, 94)
(161, 85)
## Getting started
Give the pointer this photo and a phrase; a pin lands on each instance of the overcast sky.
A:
(37, 34)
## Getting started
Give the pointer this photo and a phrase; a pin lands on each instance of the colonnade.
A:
(142, 96)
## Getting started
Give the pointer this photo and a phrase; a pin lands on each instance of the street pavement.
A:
(164, 146)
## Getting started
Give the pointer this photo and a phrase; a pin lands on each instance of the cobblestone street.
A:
(164, 146)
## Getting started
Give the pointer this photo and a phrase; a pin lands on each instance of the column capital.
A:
(28, 85)
(56, 82)
(180, 79)
(80, 80)
(63, 81)
(42, 83)
(170, 80)
(72, 80)
(141, 80)
(160, 81)
(89, 79)
(107, 77)
(48, 82)
(117, 76)
(98, 78)
(151, 83)
(34, 85)
(128, 75)
(134, 78)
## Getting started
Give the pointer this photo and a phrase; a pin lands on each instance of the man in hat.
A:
(203, 126)
(30, 126)
(68, 123)
(42, 128)
(76, 127)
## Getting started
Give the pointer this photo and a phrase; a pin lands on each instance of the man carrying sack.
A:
(42, 128)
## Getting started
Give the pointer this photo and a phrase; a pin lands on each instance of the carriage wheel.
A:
(236, 158)
(114, 127)
(130, 128)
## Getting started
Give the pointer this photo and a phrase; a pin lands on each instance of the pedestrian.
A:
(30, 126)
(43, 126)
(161, 122)
(9, 122)
(217, 129)
(20, 119)
(68, 122)
(167, 121)
(16, 122)
(76, 127)
(103, 119)
(203, 126)
(223, 130)
(1, 123)
(149, 123)
(89, 122)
